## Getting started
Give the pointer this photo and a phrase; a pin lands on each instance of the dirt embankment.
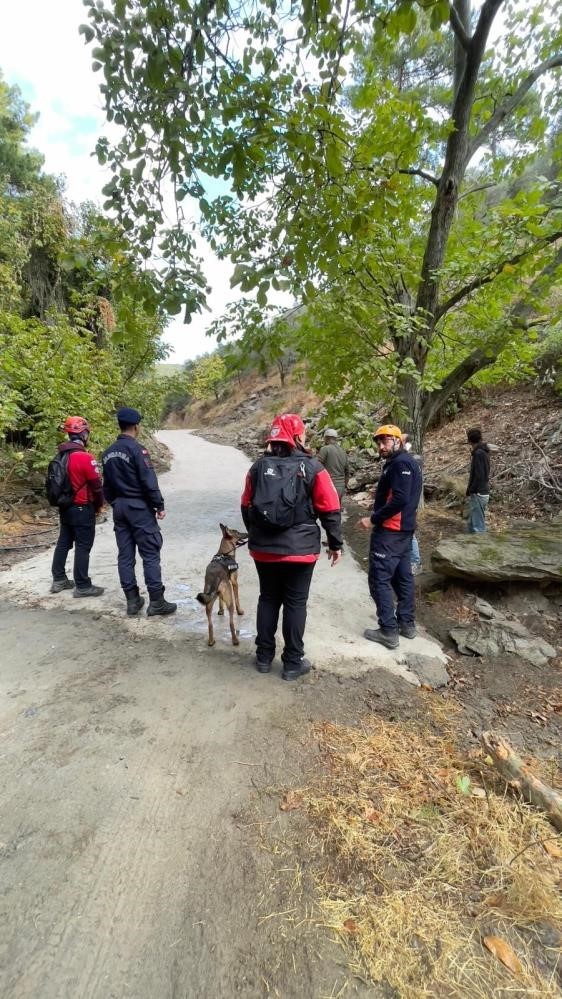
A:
(523, 424)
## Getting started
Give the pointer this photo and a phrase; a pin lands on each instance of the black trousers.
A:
(78, 529)
(136, 529)
(283, 584)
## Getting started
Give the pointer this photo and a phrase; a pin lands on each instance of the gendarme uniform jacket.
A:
(128, 473)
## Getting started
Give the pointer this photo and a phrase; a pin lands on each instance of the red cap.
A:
(75, 425)
(285, 428)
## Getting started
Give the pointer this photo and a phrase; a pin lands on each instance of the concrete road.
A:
(203, 489)
(143, 854)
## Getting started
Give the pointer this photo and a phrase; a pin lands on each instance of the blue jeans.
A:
(478, 504)
(415, 551)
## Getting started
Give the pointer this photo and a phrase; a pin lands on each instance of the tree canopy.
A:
(78, 332)
(394, 164)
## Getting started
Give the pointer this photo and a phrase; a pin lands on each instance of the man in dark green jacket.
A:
(335, 461)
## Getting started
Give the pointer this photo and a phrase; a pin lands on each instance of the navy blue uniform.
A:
(394, 521)
(131, 487)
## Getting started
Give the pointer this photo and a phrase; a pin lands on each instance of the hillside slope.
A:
(523, 423)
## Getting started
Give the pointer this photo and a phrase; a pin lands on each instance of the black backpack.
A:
(57, 484)
(280, 487)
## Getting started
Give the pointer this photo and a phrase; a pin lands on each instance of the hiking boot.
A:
(408, 630)
(295, 672)
(263, 665)
(58, 585)
(89, 591)
(389, 639)
(134, 602)
(158, 605)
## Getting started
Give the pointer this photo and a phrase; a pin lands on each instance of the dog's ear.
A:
(225, 532)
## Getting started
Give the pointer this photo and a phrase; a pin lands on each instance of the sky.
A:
(42, 52)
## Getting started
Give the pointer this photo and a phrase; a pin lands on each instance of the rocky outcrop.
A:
(529, 553)
(496, 633)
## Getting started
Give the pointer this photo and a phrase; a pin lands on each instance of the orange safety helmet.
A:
(388, 430)
(285, 428)
(75, 425)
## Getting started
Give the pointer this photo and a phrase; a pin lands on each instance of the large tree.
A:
(375, 156)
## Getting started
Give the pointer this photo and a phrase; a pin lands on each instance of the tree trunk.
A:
(454, 168)
(411, 397)
(517, 773)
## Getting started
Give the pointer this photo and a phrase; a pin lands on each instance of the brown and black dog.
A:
(221, 580)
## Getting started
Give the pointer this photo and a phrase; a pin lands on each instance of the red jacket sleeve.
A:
(326, 503)
(324, 495)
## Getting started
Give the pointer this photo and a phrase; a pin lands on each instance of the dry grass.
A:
(423, 854)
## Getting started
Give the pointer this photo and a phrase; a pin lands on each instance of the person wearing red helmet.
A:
(78, 518)
(286, 492)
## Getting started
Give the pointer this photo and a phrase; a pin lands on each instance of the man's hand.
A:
(365, 523)
(334, 556)
(160, 514)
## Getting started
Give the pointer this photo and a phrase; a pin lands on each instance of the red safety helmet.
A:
(75, 425)
(285, 428)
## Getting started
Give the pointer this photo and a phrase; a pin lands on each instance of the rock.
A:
(428, 670)
(483, 608)
(500, 636)
(532, 553)
(363, 498)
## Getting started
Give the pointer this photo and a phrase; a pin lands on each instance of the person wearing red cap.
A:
(286, 492)
(78, 516)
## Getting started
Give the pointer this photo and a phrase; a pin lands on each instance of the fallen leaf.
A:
(552, 848)
(179, 792)
(371, 814)
(350, 925)
(291, 801)
(504, 953)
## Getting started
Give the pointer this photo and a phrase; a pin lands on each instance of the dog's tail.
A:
(205, 598)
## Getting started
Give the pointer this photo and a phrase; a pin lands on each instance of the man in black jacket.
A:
(393, 521)
(478, 489)
(131, 487)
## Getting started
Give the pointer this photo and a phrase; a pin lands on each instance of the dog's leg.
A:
(228, 598)
(209, 609)
(221, 606)
(234, 581)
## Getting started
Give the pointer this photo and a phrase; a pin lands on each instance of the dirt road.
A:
(142, 850)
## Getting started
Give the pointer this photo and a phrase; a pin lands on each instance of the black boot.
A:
(134, 602)
(408, 630)
(158, 605)
(58, 585)
(88, 591)
(295, 672)
(389, 639)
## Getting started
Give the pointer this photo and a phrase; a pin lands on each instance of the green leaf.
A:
(88, 32)
(463, 784)
(333, 160)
